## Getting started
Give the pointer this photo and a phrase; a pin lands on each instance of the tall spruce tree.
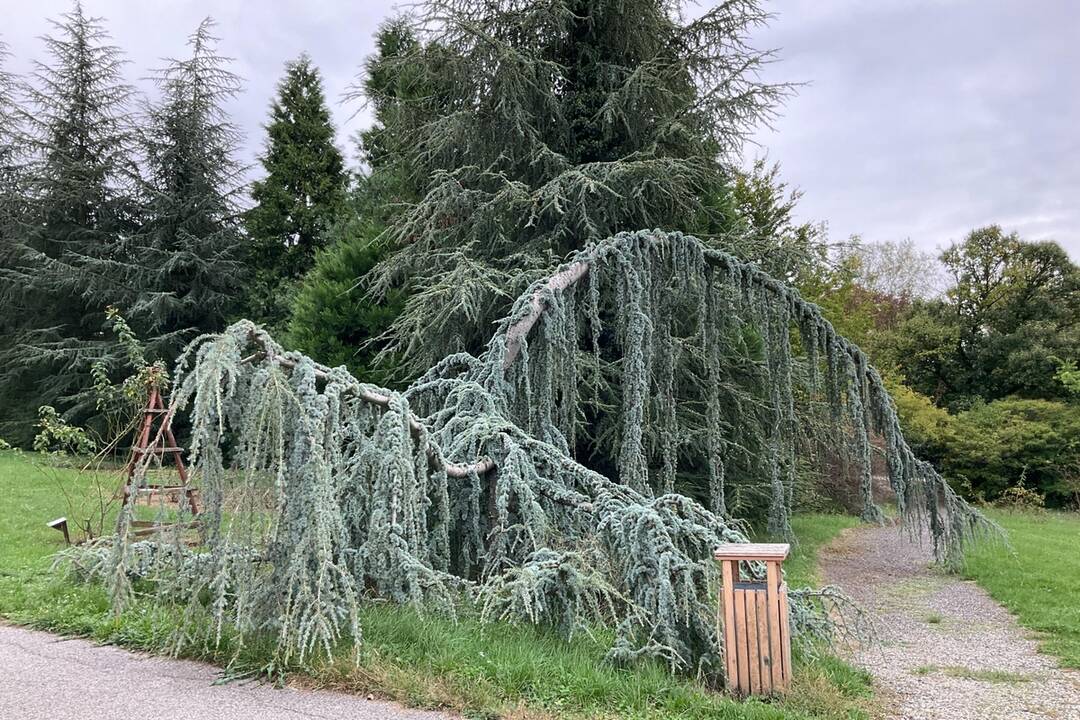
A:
(10, 196)
(565, 122)
(65, 263)
(189, 246)
(305, 186)
(332, 317)
(9, 160)
(10, 202)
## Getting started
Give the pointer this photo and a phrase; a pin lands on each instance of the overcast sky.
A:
(920, 118)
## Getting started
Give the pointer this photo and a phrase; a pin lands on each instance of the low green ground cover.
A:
(1039, 579)
(423, 660)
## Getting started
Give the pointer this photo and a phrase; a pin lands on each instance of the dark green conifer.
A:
(304, 187)
(9, 160)
(189, 246)
(10, 203)
(66, 260)
(561, 124)
(10, 196)
(333, 318)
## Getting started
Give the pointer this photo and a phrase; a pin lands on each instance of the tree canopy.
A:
(558, 124)
(1009, 321)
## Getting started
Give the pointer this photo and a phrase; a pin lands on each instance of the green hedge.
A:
(1008, 442)
(995, 446)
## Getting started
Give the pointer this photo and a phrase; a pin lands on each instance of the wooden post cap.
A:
(774, 552)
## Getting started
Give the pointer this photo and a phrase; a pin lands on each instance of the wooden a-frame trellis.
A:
(160, 442)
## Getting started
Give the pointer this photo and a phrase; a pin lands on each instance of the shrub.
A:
(930, 430)
(1019, 497)
(1014, 443)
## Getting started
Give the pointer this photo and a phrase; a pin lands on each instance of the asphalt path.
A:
(54, 678)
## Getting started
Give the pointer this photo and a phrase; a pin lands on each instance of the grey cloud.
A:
(926, 119)
(921, 119)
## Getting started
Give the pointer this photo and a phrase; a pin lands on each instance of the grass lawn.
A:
(426, 661)
(813, 531)
(1040, 579)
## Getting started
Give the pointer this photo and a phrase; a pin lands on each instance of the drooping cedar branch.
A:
(468, 479)
(561, 280)
(375, 397)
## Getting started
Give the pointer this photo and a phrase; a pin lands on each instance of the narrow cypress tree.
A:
(305, 185)
(66, 262)
(188, 249)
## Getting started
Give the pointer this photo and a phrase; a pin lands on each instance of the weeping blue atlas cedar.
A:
(321, 490)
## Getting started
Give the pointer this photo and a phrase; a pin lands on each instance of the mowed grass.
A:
(1038, 578)
(813, 530)
(424, 660)
(31, 494)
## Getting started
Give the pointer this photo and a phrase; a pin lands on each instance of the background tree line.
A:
(504, 137)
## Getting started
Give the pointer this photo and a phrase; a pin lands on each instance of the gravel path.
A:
(948, 651)
(52, 678)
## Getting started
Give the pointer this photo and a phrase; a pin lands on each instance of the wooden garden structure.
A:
(155, 437)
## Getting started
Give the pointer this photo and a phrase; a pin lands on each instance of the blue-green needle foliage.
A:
(321, 490)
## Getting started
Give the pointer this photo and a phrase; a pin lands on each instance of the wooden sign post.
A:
(754, 619)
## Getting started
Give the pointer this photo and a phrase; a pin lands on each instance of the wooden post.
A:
(754, 612)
